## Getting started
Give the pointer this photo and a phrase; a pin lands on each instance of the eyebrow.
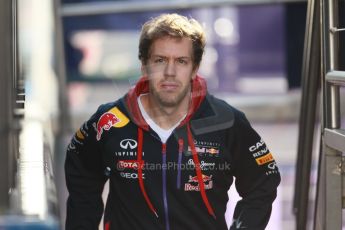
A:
(162, 56)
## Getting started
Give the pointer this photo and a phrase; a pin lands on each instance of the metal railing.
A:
(7, 100)
(308, 113)
(99, 7)
(330, 197)
(16, 166)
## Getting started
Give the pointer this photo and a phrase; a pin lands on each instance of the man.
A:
(169, 149)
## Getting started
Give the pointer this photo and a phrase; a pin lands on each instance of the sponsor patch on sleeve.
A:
(264, 159)
(123, 120)
(112, 118)
(80, 135)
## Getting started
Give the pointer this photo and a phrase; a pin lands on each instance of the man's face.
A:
(170, 70)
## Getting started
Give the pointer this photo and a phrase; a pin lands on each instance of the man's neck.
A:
(164, 117)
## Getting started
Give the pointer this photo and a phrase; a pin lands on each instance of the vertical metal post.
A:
(333, 205)
(332, 62)
(329, 194)
(64, 118)
(320, 201)
(310, 86)
(6, 101)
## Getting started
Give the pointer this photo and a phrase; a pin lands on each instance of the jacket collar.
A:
(199, 90)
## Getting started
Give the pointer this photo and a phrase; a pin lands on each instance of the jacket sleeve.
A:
(256, 177)
(85, 179)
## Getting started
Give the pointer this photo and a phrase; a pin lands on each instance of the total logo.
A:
(127, 164)
(193, 183)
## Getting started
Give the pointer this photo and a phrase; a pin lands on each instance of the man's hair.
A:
(175, 26)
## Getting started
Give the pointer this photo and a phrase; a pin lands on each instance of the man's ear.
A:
(143, 69)
(195, 71)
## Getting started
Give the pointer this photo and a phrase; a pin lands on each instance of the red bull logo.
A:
(112, 118)
(204, 151)
(190, 186)
(105, 122)
(194, 179)
(212, 151)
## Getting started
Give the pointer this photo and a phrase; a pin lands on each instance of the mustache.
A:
(165, 81)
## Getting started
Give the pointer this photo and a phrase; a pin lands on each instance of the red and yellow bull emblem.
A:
(212, 151)
(264, 159)
(193, 183)
(112, 118)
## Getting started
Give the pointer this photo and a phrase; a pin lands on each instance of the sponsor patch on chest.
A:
(193, 183)
(205, 149)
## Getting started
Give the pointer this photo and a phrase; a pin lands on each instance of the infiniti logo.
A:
(128, 143)
(272, 165)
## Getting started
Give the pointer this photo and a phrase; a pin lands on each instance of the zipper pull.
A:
(180, 145)
(107, 171)
(164, 148)
(179, 161)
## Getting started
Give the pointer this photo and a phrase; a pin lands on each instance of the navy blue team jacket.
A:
(178, 185)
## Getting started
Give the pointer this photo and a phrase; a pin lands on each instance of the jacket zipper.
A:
(180, 150)
(164, 180)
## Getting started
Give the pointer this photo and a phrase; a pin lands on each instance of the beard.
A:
(169, 99)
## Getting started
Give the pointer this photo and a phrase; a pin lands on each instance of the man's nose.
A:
(170, 69)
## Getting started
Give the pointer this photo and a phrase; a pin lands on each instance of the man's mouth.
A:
(169, 86)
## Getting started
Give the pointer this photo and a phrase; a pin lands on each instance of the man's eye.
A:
(159, 60)
(182, 61)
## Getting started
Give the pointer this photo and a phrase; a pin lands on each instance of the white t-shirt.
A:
(164, 134)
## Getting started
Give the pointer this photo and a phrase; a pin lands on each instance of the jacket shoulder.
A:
(223, 105)
(108, 115)
(109, 107)
(217, 115)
